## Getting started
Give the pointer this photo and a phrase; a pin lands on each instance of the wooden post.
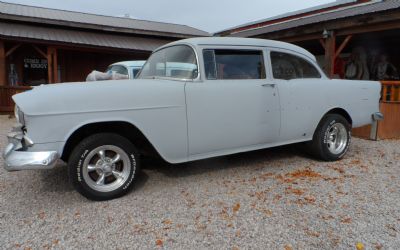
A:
(3, 70)
(55, 66)
(52, 64)
(50, 70)
(330, 52)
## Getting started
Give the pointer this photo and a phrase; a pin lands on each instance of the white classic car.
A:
(193, 99)
(117, 71)
(129, 68)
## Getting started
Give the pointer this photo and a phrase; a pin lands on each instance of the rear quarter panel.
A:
(305, 101)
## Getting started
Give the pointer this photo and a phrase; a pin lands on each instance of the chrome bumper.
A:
(16, 158)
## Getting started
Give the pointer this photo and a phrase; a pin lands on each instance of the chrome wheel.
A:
(337, 138)
(106, 168)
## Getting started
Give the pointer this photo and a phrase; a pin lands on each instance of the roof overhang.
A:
(14, 31)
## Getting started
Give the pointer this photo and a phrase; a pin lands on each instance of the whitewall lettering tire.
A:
(103, 166)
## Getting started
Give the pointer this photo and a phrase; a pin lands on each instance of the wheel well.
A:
(343, 113)
(124, 129)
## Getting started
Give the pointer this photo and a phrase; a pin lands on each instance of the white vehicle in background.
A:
(117, 71)
(129, 68)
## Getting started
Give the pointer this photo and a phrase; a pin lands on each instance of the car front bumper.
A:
(17, 158)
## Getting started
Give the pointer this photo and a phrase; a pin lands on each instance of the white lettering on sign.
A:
(35, 63)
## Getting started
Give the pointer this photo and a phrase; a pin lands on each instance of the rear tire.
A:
(331, 139)
(103, 166)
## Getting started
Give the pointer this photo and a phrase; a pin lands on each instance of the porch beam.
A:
(343, 45)
(370, 28)
(351, 25)
(55, 66)
(298, 38)
(3, 70)
(52, 65)
(330, 50)
(8, 53)
(50, 71)
(39, 51)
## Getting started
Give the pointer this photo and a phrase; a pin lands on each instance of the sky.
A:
(207, 15)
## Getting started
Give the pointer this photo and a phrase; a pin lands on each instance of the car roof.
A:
(239, 41)
(130, 64)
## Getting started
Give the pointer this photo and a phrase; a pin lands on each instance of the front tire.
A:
(103, 166)
(332, 138)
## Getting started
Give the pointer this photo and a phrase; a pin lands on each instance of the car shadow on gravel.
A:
(57, 181)
(253, 159)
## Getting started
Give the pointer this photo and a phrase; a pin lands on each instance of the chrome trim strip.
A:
(177, 79)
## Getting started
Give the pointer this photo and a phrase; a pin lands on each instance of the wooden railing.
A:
(391, 92)
(6, 92)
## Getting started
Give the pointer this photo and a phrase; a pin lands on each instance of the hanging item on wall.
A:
(340, 68)
(13, 76)
(357, 67)
(363, 58)
(353, 67)
(384, 70)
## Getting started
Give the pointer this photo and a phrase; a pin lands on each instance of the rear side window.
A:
(287, 66)
(233, 64)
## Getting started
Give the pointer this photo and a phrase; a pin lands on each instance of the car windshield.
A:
(118, 69)
(178, 62)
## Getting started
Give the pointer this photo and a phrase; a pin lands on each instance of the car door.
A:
(300, 82)
(235, 105)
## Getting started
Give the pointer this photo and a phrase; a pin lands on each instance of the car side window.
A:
(119, 69)
(222, 64)
(286, 66)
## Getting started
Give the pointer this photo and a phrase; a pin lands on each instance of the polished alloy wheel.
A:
(106, 168)
(337, 138)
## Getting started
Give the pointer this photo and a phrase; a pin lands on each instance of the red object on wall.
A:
(339, 68)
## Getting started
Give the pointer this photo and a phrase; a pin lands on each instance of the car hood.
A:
(102, 96)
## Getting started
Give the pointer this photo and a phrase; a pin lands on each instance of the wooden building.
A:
(347, 36)
(41, 46)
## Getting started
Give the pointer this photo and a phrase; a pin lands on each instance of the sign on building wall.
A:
(32, 63)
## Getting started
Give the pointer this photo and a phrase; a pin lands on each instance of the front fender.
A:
(165, 129)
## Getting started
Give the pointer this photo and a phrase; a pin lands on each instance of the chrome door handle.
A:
(272, 85)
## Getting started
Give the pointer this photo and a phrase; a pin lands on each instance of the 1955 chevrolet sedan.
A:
(193, 99)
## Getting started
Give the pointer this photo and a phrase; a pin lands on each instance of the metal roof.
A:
(289, 14)
(323, 17)
(23, 31)
(10, 11)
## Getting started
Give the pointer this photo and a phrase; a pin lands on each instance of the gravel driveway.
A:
(269, 199)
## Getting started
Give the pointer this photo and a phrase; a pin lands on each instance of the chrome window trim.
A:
(258, 49)
(293, 53)
(172, 78)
